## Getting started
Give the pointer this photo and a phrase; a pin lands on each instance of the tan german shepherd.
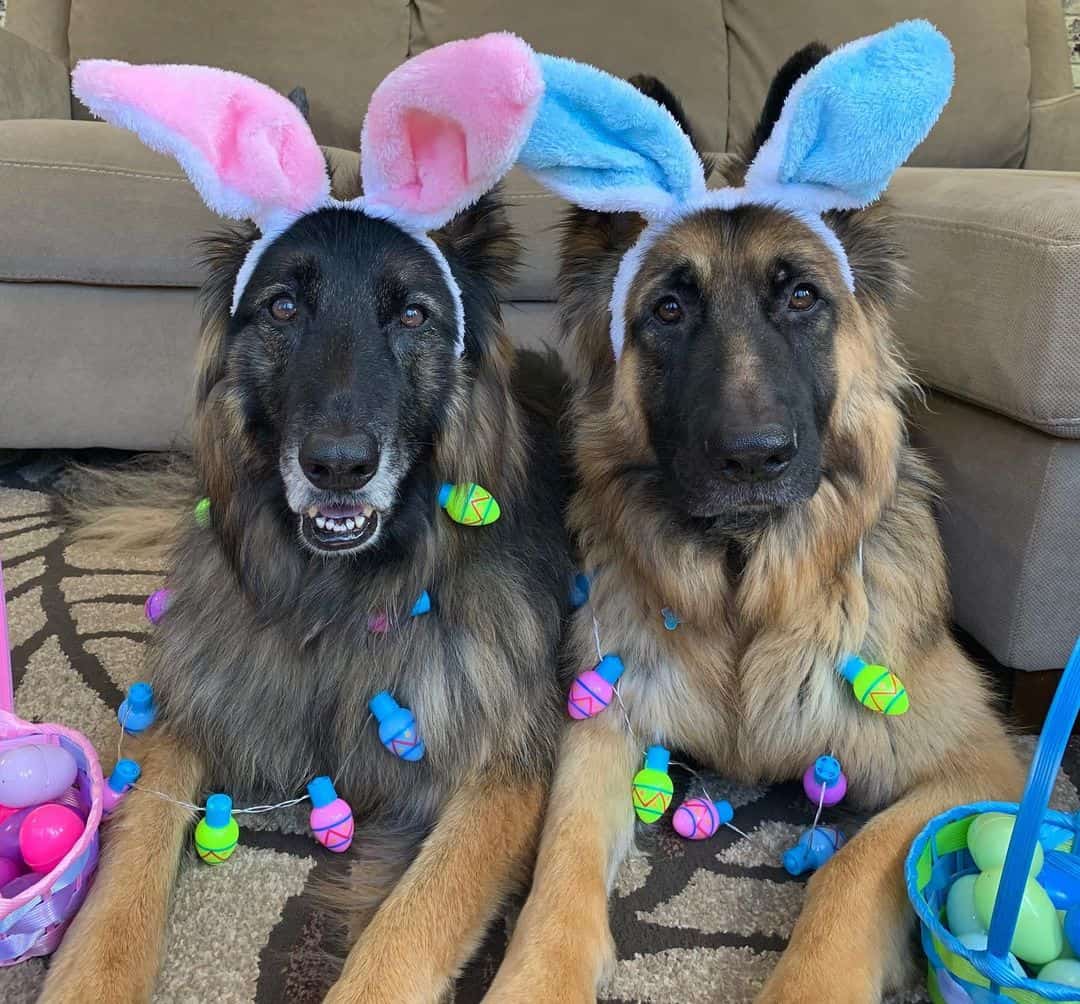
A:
(745, 464)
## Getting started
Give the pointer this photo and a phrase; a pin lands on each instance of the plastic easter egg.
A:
(9, 834)
(469, 504)
(594, 689)
(814, 847)
(20, 884)
(1066, 948)
(875, 687)
(960, 913)
(202, 512)
(976, 941)
(123, 776)
(47, 833)
(698, 818)
(988, 841)
(653, 788)
(1072, 922)
(138, 710)
(217, 834)
(332, 822)
(825, 774)
(10, 869)
(397, 727)
(579, 590)
(422, 605)
(157, 603)
(1038, 937)
(1065, 971)
(34, 773)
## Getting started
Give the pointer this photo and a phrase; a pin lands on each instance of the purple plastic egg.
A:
(20, 884)
(34, 773)
(9, 869)
(156, 604)
(9, 835)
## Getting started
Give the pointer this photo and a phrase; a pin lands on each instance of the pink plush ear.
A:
(246, 148)
(445, 126)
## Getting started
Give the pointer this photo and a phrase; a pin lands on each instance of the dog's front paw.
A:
(815, 984)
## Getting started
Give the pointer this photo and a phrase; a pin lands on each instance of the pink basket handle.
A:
(7, 689)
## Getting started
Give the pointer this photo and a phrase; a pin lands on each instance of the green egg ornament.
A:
(202, 512)
(1038, 938)
(875, 687)
(988, 841)
(217, 834)
(469, 504)
(652, 786)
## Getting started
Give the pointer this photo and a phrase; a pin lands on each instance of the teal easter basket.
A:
(939, 856)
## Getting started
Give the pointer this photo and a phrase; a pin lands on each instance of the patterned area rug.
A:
(689, 918)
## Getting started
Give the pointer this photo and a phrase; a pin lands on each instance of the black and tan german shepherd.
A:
(329, 410)
(745, 464)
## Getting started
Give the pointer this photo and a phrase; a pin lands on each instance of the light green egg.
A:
(1038, 938)
(960, 907)
(988, 840)
(1065, 971)
(1066, 948)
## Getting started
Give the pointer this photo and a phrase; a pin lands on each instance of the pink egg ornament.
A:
(593, 689)
(698, 818)
(47, 834)
(332, 821)
(34, 773)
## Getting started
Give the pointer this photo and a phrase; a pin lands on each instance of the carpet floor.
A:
(692, 921)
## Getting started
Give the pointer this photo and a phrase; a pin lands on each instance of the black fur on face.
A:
(733, 316)
(340, 362)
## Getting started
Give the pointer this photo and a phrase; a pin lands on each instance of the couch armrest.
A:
(1054, 139)
(995, 264)
(33, 84)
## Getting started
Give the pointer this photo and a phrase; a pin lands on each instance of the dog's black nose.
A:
(762, 455)
(339, 463)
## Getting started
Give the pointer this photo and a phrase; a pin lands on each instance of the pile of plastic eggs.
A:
(1046, 942)
(39, 823)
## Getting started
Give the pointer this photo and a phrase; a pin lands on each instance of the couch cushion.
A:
(985, 123)
(338, 51)
(86, 202)
(1008, 522)
(684, 45)
(994, 316)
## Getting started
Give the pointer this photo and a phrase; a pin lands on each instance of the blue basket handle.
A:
(1033, 806)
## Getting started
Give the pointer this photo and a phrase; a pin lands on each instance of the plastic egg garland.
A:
(875, 687)
(698, 818)
(47, 833)
(331, 819)
(824, 782)
(1038, 938)
(217, 834)
(653, 788)
(469, 504)
(34, 773)
(593, 689)
(961, 915)
(397, 727)
(988, 841)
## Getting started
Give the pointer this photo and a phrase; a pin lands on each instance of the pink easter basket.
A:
(33, 922)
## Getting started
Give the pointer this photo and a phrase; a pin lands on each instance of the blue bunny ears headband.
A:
(846, 126)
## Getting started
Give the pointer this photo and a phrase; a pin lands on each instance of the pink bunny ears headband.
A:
(440, 131)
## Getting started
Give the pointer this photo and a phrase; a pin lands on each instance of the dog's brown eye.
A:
(283, 308)
(669, 310)
(803, 297)
(413, 316)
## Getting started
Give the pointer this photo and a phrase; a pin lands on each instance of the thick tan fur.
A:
(748, 683)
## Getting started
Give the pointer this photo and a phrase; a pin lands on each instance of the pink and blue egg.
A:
(123, 776)
(699, 818)
(332, 822)
(593, 690)
(397, 727)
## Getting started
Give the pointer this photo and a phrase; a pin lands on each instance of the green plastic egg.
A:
(988, 840)
(652, 794)
(202, 512)
(1038, 938)
(960, 907)
(1065, 971)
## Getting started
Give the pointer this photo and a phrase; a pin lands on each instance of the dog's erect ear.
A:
(246, 148)
(602, 144)
(849, 122)
(444, 127)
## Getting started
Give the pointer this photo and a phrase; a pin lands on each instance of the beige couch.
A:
(97, 281)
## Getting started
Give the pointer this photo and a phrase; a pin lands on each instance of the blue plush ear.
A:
(602, 144)
(852, 120)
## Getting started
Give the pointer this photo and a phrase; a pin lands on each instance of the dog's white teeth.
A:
(320, 522)
(312, 512)
(367, 510)
(350, 524)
